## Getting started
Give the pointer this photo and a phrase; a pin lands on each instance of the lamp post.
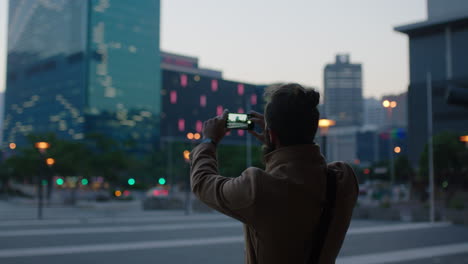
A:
(389, 105)
(193, 137)
(324, 124)
(42, 148)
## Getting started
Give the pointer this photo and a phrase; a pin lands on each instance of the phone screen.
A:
(239, 121)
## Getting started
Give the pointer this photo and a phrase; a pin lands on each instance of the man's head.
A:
(291, 115)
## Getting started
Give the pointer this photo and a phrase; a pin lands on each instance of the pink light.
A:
(240, 132)
(240, 89)
(214, 85)
(228, 133)
(202, 100)
(160, 192)
(173, 97)
(181, 124)
(126, 193)
(219, 110)
(183, 80)
(253, 99)
(199, 126)
(240, 110)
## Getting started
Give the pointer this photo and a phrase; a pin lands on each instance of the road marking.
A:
(118, 229)
(405, 255)
(203, 225)
(62, 250)
(108, 220)
(395, 228)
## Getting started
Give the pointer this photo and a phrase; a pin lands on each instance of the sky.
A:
(268, 41)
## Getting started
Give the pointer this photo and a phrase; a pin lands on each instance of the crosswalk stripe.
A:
(202, 225)
(62, 250)
(118, 229)
(12, 223)
(405, 255)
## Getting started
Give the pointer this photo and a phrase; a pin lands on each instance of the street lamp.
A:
(397, 149)
(464, 139)
(12, 145)
(42, 148)
(390, 105)
(324, 124)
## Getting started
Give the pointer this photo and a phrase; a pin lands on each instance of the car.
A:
(161, 198)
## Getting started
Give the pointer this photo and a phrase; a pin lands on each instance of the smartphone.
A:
(239, 121)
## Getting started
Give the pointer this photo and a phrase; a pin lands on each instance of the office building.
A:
(374, 113)
(79, 67)
(439, 62)
(191, 95)
(343, 92)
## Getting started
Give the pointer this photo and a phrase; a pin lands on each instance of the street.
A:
(172, 237)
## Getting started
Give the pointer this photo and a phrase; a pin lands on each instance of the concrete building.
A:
(439, 60)
(397, 116)
(374, 113)
(343, 92)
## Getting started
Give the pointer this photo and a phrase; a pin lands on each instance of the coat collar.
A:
(307, 152)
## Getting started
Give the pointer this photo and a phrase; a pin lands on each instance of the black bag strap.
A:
(325, 218)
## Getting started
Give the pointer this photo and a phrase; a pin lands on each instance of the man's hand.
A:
(258, 119)
(215, 128)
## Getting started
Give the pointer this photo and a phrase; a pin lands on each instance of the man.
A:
(280, 206)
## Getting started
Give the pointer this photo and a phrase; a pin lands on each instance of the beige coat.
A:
(279, 206)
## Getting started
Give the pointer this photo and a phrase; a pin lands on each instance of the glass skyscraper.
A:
(87, 66)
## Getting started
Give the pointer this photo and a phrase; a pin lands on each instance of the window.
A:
(173, 97)
(183, 80)
(181, 124)
(219, 110)
(199, 126)
(202, 100)
(253, 99)
(240, 89)
(214, 85)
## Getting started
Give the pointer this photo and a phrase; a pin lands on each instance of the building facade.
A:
(78, 67)
(343, 92)
(438, 63)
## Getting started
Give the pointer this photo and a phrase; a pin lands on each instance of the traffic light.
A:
(162, 181)
(131, 181)
(59, 181)
(84, 181)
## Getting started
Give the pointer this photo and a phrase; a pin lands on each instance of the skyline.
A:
(258, 48)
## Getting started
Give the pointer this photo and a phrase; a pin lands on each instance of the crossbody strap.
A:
(326, 218)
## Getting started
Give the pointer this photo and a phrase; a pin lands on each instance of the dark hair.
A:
(291, 111)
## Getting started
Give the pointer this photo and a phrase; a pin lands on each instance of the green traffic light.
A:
(162, 181)
(84, 181)
(131, 181)
(59, 181)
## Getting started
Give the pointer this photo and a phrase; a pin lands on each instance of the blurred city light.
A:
(50, 161)
(162, 181)
(42, 145)
(386, 103)
(325, 123)
(12, 145)
(84, 181)
(126, 193)
(366, 171)
(190, 135)
(59, 181)
(464, 139)
(118, 193)
(131, 181)
(397, 149)
(393, 104)
(197, 136)
(186, 154)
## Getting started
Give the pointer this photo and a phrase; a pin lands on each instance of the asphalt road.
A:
(172, 237)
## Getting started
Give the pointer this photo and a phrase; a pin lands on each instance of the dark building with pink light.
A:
(191, 95)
